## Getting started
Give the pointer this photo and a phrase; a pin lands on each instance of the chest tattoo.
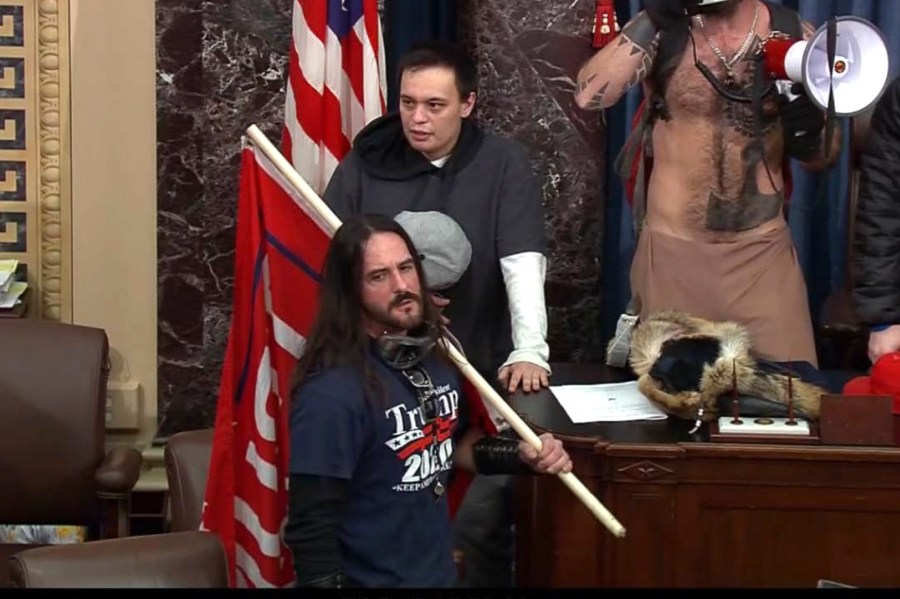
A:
(750, 208)
(736, 202)
(740, 115)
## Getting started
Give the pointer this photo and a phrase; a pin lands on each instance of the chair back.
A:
(190, 559)
(187, 456)
(52, 406)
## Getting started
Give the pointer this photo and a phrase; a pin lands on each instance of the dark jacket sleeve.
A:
(315, 506)
(876, 239)
(343, 192)
(520, 227)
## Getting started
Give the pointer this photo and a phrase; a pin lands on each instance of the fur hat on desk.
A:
(684, 363)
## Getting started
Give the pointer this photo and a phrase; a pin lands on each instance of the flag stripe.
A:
(248, 352)
(336, 83)
(294, 258)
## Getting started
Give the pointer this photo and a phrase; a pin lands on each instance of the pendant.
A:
(729, 79)
(439, 489)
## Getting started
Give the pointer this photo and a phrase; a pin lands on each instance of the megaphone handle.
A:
(784, 88)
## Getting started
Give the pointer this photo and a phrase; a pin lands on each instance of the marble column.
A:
(221, 66)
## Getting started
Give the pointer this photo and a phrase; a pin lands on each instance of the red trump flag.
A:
(281, 243)
(280, 248)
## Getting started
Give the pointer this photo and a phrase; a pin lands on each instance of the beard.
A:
(398, 320)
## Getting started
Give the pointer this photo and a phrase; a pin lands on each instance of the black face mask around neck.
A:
(401, 352)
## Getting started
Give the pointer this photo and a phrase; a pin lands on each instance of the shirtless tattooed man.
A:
(713, 239)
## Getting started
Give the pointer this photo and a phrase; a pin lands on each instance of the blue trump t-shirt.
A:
(395, 530)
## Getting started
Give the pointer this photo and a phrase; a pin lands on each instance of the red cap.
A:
(883, 380)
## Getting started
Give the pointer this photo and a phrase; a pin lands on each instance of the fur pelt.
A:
(734, 361)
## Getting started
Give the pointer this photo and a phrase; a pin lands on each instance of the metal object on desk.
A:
(763, 429)
(20, 310)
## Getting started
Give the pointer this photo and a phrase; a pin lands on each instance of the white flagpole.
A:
(293, 177)
(486, 390)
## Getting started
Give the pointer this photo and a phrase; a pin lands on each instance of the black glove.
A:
(498, 455)
(668, 15)
(802, 122)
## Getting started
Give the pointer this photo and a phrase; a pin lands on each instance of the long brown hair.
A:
(339, 337)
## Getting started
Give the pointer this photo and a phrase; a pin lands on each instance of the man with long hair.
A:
(432, 155)
(378, 423)
(713, 240)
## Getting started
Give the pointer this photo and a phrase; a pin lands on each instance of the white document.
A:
(7, 270)
(11, 297)
(616, 402)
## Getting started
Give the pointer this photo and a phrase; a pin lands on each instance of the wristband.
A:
(498, 455)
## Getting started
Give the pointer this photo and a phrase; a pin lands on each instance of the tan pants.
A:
(755, 281)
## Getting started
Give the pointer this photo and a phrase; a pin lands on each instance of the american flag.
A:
(280, 247)
(336, 83)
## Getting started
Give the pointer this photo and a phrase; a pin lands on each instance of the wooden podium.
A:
(702, 514)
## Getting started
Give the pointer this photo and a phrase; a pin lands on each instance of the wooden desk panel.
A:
(700, 514)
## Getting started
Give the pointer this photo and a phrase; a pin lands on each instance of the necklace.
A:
(419, 379)
(729, 63)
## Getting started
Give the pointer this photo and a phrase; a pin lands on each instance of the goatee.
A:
(391, 321)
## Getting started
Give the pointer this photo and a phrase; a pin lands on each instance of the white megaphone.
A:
(853, 79)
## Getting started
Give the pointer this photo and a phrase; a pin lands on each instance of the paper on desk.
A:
(7, 272)
(9, 299)
(616, 402)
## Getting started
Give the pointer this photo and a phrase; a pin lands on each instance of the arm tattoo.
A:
(586, 82)
(597, 100)
(641, 37)
(643, 70)
(640, 32)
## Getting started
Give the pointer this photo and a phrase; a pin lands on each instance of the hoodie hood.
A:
(385, 154)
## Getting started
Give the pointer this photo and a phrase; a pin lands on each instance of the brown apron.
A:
(755, 281)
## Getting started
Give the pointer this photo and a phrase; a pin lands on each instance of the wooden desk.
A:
(700, 514)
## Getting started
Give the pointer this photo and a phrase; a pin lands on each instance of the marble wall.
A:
(529, 53)
(221, 68)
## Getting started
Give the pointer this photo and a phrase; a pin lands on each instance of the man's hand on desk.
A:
(532, 377)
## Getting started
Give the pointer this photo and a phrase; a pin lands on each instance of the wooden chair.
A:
(54, 467)
(191, 559)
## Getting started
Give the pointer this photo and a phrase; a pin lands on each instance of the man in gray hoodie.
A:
(431, 156)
